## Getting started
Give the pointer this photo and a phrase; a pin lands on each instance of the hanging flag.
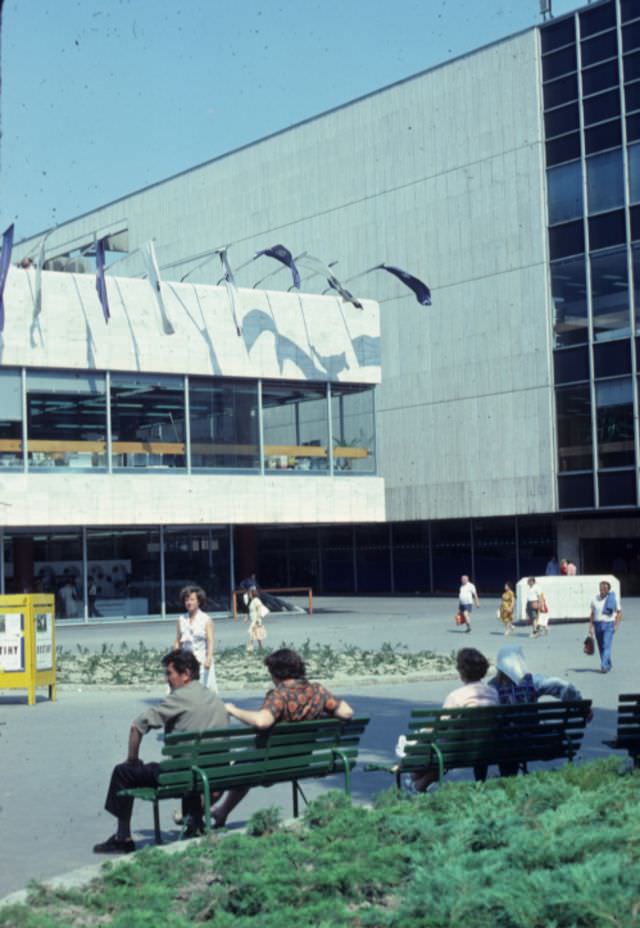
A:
(321, 268)
(148, 253)
(37, 301)
(282, 254)
(420, 289)
(232, 291)
(5, 262)
(101, 284)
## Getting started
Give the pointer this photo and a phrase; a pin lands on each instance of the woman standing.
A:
(535, 602)
(195, 632)
(257, 612)
(606, 616)
(507, 605)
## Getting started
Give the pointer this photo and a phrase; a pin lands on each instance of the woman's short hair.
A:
(183, 662)
(197, 590)
(286, 664)
(472, 665)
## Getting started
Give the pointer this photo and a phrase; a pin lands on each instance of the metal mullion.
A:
(107, 386)
(163, 603)
(585, 225)
(85, 571)
(330, 422)
(23, 398)
(1, 562)
(187, 424)
(260, 427)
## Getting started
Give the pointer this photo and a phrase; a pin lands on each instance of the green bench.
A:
(628, 728)
(478, 737)
(224, 758)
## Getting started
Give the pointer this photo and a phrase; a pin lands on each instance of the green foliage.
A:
(265, 822)
(557, 849)
(234, 667)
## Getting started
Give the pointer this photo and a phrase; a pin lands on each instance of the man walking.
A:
(467, 599)
(188, 707)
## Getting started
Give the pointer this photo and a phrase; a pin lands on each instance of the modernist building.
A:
(507, 419)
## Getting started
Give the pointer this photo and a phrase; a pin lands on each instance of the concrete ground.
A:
(56, 757)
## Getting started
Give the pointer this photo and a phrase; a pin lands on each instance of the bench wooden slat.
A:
(628, 726)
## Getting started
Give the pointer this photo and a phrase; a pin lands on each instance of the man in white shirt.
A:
(467, 598)
(606, 616)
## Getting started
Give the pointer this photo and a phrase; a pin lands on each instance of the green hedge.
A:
(556, 849)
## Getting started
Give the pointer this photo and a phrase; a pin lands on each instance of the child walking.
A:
(257, 612)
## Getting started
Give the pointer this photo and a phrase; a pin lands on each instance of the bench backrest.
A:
(247, 757)
(495, 734)
(628, 717)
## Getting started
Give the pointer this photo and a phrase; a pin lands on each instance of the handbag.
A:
(460, 619)
(588, 646)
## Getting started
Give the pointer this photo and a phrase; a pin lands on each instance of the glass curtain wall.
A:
(353, 423)
(66, 420)
(411, 572)
(373, 560)
(296, 427)
(10, 418)
(124, 573)
(197, 557)
(224, 421)
(147, 421)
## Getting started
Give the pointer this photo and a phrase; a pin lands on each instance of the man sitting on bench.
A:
(292, 699)
(188, 707)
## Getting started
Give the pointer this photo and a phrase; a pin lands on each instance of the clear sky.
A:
(102, 97)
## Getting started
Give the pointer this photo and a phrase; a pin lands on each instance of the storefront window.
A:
(66, 420)
(373, 560)
(10, 419)
(494, 548)
(198, 557)
(224, 424)
(451, 554)
(123, 572)
(147, 421)
(296, 427)
(51, 563)
(353, 422)
(411, 557)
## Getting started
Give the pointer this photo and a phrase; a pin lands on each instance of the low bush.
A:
(557, 849)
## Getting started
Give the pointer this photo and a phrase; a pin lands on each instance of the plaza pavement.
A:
(56, 757)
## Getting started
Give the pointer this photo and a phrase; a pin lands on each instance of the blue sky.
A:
(102, 98)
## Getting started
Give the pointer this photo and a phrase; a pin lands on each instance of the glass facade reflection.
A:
(66, 420)
(147, 421)
(591, 60)
(296, 427)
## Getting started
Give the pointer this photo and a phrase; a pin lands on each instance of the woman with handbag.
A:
(257, 612)
(535, 601)
(507, 605)
(195, 632)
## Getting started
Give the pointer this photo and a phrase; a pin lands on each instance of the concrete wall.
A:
(441, 174)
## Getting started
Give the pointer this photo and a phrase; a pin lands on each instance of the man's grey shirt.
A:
(188, 708)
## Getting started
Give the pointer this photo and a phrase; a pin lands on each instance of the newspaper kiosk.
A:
(27, 644)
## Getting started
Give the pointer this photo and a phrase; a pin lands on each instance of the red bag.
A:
(460, 619)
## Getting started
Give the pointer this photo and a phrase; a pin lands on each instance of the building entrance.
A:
(617, 556)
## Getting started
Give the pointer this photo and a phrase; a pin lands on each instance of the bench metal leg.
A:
(297, 790)
(156, 821)
(347, 770)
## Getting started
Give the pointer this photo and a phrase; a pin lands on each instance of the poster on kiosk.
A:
(27, 644)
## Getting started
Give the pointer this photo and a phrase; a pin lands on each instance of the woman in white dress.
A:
(195, 632)
(257, 612)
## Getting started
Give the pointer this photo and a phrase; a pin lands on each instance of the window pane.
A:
(635, 260)
(576, 491)
(602, 106)
(614, 400)
(617, 488)
(494, 548)
(559, 63)
(629, 9)
(558, 34)
(597, 20)
(610, 294)
(635, 222)
(611, 358)
(352, 416)
(567, 239)
(451, 554)
(605, 181)
(607, 135)
(57, 568)
(562, 120)
(569, 294)
(224, 424)
(571, 365)
(197, 557)
(66, 420)
(124, 565)
(10, 419)
(564, 186)
(565, 148)
(631, 37)
(373, 561)
(411, 557)
(147, 421)
(632, 97)
(561, 91)
(632, 65)
(600, 77)
(633, 155)
(633, 127)
(607, 229)
(598, 49)
(296, 427)
(573, 411)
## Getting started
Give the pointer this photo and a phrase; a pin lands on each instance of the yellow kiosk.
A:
(28, 644)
